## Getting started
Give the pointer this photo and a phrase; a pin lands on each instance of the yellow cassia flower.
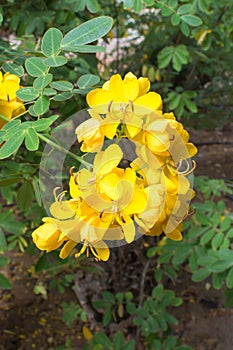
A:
(128, 90)
(10, 105)
(47, 236)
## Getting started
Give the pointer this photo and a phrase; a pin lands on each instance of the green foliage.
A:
(4, 281)
(114, 306)
(71, 312)
(101, 342)
(207, 242)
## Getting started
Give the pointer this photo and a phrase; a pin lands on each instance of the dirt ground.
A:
(29, 321)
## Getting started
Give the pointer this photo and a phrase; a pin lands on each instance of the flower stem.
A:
(62, 149)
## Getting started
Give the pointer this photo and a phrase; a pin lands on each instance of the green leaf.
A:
(62, 85)
(51, 42)
(36, 188)
(87, 32)
(173, 104)
(4, 282)
(41, 105)
(88, 80)
(185, 28)
(92, 6)
(13, 69)
(42, 124)
(175, 19)
(229, 297)
(118, 341)
(207, 236)
(137, 5)
(3, 243)
(229, 279)
(31, 111)
(184, 9)
(3, 261)
(102, 339)
(31, 140)
(49, 92)
(85, 48)
(12, 145)
(217, 240)
(173, 3)
(192, 20)
(43, 81)
(128, 4)
(217, 281)
(10, 181)
(169, 343)
(191, 106)
(107, 317)
(25, 196)
(220, 265)
(35, 66)
(27, 94)
(130, 345)
(63, 96)
(55, 61)
(225, 224)
(200, 275)
(11, 125)
(108, 296)
(165, 56)
(203, 5)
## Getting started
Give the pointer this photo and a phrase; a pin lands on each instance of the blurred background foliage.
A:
(185, 50)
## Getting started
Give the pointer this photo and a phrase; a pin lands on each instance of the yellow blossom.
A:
(128, 90)
(10, 105)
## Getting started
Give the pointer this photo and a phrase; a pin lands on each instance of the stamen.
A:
(189, 168)
(122, 218)
(172, 138)
(61, 196)
(71, 171)
(75, 179)
(109, 106)
(101, 213)
(97, 258)
(189, 214)
(93, 179)
(131, 105)
(55, 192)
(85, 245)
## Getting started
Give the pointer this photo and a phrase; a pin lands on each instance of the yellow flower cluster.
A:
(10, 105)
(134, 188)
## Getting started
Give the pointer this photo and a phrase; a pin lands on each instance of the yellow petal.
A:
(116, 88)
(152, 100)
(74, 190)
(61, 210)
(191, 149)
(46, 237)
(99, 97)
(110, 159)
(144, 86)
(108, 185)
(130, 88)
(102, 253)
(89, 132)
(138, 202)
(67, 248)
(129, 231)
(175, 235)
(127, 226)
(109, 128)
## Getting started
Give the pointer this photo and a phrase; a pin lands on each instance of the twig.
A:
(84, 302)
